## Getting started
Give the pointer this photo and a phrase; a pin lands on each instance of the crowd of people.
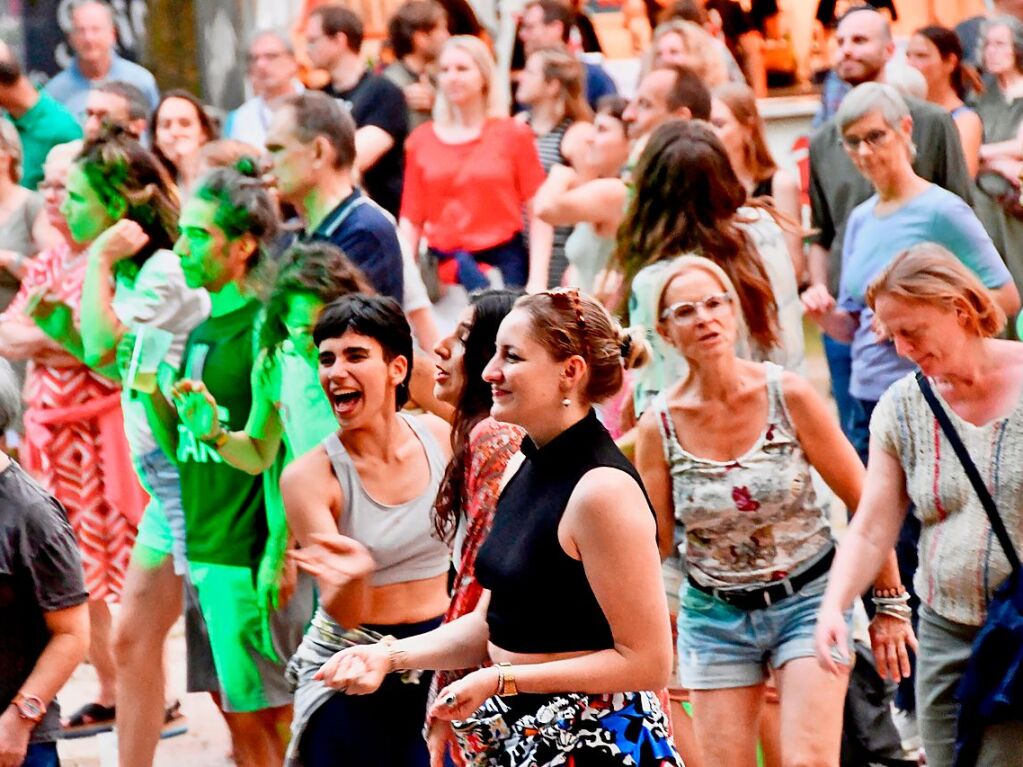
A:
(589, 520)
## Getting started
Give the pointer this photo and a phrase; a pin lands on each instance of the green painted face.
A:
(87, 217)
(303, 309)
(202, 246)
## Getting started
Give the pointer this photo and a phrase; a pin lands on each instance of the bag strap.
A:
(997, 525)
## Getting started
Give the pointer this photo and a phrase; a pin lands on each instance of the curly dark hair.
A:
(132, 183)
(474, 402)
(317, 269)
(686, 200)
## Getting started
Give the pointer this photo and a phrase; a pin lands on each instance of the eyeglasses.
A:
(685, 312)
(873, 139)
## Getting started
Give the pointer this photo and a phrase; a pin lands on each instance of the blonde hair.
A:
(928, 273)
(558, 64)
(481, 56)
(689, 262)
(742, 103)
(10, 143)
(707, 61)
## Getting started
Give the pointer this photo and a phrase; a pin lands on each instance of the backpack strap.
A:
(997, 525)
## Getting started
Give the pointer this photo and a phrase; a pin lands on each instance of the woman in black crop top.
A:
(574, 619)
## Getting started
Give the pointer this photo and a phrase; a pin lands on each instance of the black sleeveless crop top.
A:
(540, 599)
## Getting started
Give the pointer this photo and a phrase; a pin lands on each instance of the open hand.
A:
(196, 407)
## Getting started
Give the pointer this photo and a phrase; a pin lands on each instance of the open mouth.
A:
(345, 402)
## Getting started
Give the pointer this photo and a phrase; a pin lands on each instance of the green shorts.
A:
(230, 617)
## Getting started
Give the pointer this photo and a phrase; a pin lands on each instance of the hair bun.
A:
(633, 347)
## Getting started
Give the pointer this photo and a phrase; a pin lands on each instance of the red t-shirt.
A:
(470, 196)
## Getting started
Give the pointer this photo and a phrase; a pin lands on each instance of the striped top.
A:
(548, 146)
(961, 562)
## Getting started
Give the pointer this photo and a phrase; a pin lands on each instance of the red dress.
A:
(68, 456)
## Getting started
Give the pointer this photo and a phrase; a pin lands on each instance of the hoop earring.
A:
(566, 402)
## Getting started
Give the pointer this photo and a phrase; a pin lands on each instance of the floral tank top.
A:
(751, 520)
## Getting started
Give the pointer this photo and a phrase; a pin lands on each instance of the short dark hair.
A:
(339, 20)
(413, 16)
(376, 317)
(317, 114)
(688, 91)
(10, 69)
(138, 104)
(556, 10)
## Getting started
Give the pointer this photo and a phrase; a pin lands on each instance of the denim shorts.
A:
(162, 527)
(720, 646)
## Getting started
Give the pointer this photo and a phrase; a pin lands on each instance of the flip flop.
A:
(91, 719)
(174, 722)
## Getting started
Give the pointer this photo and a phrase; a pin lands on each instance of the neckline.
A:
(558, 450)
(430, 489)
(903, 206)
(992, 424)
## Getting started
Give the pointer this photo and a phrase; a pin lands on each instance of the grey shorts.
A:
(941, 662)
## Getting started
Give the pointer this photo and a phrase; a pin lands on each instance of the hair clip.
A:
(572, 294)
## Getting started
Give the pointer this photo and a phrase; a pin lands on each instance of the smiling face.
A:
(930, 337)
(179, 133)
(87, 217)
(704, 330)
(460, 79)
(358, 380)
(864, 46)
(449, 380)
(300, 315)
(525, 380)
(207, 258)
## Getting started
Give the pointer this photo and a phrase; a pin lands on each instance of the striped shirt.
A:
(961, 561)
(548, 146)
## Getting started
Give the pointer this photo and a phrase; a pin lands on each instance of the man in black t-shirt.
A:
(44, 621)
(333, 41)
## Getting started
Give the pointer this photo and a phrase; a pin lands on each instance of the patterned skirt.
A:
(570, 729)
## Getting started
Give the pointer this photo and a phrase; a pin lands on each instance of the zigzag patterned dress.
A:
(70, 457)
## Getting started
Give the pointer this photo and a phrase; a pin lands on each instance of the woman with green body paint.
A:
(121, 208)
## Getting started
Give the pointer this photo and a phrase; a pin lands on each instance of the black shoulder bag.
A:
(991, 690)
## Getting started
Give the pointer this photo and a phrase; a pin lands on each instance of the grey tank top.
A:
(398, 537)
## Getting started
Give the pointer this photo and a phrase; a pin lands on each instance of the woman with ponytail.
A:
(938, 54)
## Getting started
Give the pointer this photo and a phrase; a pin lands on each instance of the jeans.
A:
(510, 257)
(839, 357)
(41, 755)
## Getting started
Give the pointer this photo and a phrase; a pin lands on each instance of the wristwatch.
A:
(29, 707)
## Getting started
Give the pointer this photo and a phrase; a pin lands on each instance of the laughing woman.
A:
(574, 618)
(362, 500)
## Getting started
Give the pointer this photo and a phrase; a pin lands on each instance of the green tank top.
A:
(225, 518)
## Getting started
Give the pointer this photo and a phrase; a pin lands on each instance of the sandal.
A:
(91, 719)
(174, 722)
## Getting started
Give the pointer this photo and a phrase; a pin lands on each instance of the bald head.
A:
(865, 44)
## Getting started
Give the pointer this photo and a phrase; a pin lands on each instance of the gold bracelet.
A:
(506, 680)
(216, 440)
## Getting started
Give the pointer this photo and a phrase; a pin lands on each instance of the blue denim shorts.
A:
(720, 646)
(162, 527)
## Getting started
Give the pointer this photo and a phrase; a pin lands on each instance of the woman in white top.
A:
(123, 206)
(941, 317)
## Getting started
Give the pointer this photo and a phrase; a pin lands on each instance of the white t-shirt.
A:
(158, 297)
